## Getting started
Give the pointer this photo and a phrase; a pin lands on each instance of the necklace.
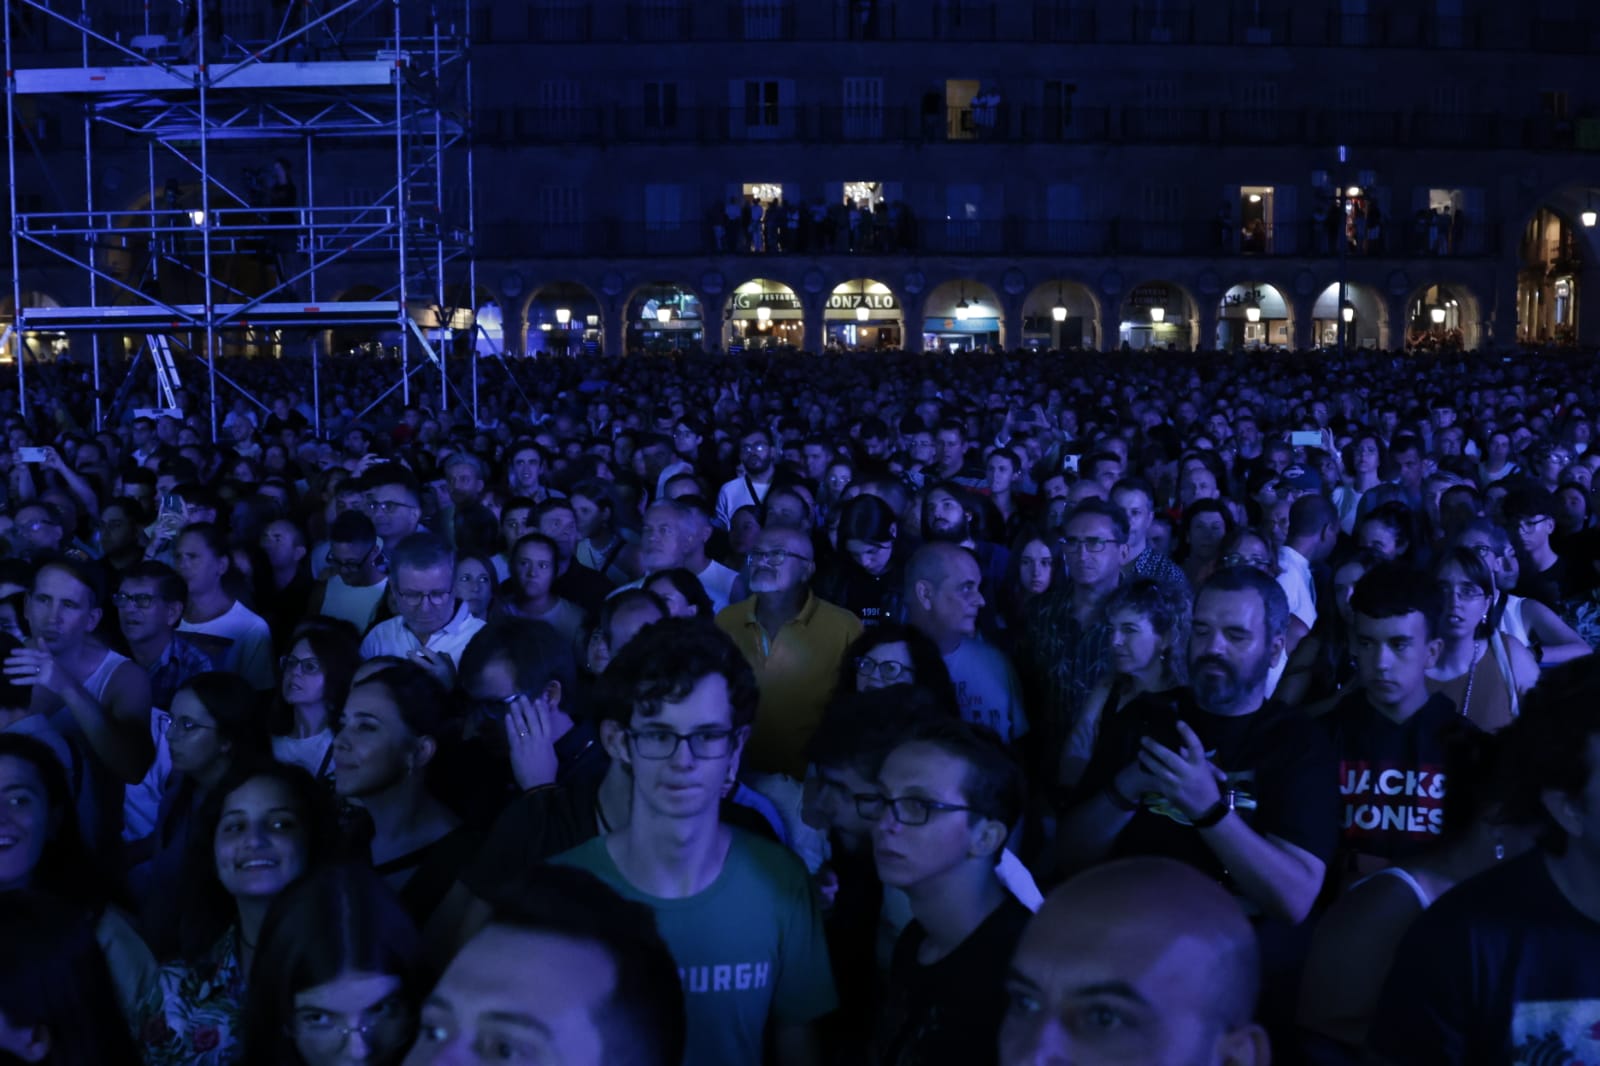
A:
(1466, 700)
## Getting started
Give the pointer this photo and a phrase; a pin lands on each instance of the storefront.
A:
(665, 318)
(563, 319)
(863, 315)
(1437, 318)
(1361, 315)
(1157, 315)
(1060, 316)
(1253, 316)
(961, 316)
(764, 314)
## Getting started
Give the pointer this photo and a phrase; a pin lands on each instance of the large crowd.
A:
(862, 709)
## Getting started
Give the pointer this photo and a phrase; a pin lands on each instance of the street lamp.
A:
(1589, 216)
(862, 314)
(1437, 314)
(763, 314)
(1348, 313)
(663, 315)
(563, 316)
(1252, 314)
(1158, 315)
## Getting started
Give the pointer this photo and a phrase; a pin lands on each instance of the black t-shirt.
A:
(948, 1013)
(1279, 768)
(1566, 580)
(586, 588)
(1391, 774)
(1502, 969)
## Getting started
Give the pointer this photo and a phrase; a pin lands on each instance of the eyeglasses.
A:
(329, 1032)
(775, 556)
(1257, 561)
(908, 810)
(306, 667)
(1466, 591)
(498, 706)
(887, 669)
(663, 743)
(1528, 525)
(1093, 545)
(755, 447)
(435, 597)
(141, 600)
(348, 565)
(389, 506)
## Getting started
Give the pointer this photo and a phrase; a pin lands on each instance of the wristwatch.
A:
(1214, 813)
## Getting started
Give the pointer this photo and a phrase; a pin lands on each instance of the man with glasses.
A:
(431, 627)
(948, 797)
(750, 487)
(357, 578)
(1065, 645)
(943, 591)
(794, 643)
(392, 501)
(38, 530)
(738, 912)
(1559, 583)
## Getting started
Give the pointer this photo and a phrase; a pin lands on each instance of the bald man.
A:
(794, 642)
(943, 597)
(1142, 961)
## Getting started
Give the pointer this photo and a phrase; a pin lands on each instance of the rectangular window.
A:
(658, 20)
(1055, 103)
(1353, 22)
(663, 207)
(661, 105)
(863, 109)
(761, 108)
(1553, 103)
(765, 20)
(558, 205)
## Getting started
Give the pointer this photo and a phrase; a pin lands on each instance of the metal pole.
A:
(202, 76)
(400, 200)
(88, 188)
(11, 172)
(311, 256)
(446, 321)
(1344, 242)
(472, 218)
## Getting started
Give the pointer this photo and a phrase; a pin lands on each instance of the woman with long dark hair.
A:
(49, 856)
(261, 830)
(58, 1006)
(866, 575)
(337, 976)
(1481, 669)
(893, 654)
(323, 655)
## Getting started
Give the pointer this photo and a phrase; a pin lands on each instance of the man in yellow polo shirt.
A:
(794, 642)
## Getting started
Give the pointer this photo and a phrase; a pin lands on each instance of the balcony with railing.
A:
(760, 20)
(864, 20)
(559, 22)
(1063, 22)
(659, 22)
(1003, 237)
(965, 20)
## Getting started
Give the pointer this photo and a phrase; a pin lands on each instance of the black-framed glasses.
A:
(389, 506)
(307, 666)
(908, 810)
(663, 743)
(887, 669)
(775, 556)
(141, 600)
(1259, 562)
(346, 566)
(1092, 545)
(435, 597)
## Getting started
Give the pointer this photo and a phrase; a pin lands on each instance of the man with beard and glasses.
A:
(755, 477)
(1216, 777)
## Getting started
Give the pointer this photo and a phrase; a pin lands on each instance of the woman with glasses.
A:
(475, 582)
(314, 681)
(1148, 647)
(338, 979)
(894, 654)
(216, 724)
(263, 828)
(1246, 547)
(866, 576)
(1536, 626)
(1485, 672)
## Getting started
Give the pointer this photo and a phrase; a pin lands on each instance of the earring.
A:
(1499, 848)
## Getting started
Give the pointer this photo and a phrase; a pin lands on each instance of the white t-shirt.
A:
(1294, 577)
(356, 604)
(736, 494)
(987, 689)
(718, 581)
(309, 753)
(393, 637)
(241, 641)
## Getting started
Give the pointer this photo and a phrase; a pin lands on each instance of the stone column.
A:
(614, 328)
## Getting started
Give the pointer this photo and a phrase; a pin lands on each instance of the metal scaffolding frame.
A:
(397, 77)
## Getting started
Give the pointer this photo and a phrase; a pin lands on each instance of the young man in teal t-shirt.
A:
(738, 912)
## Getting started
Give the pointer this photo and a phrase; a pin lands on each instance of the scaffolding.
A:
(208, 259)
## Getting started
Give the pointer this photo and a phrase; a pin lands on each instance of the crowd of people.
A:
(881, 709)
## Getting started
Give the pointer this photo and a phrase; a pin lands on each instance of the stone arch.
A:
(1061, 313)
(1144, 303)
